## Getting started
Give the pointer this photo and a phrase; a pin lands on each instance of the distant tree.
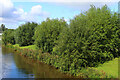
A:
(24, 34)
(8, 37)
(3, 27)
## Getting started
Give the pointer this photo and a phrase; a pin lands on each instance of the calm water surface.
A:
(16, 66)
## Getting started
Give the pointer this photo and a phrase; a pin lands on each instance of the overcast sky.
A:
(16, 12)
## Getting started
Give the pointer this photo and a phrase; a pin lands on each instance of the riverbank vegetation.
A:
(91, 39)
(33, 47)
(110, 67)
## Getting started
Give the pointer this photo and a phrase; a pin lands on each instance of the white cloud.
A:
(10, 14)
(6, 3)
(36, 10)
(19, 11)
(0, 18)
(84, 6)
(7, 20)
(6, 6)
(32, 15)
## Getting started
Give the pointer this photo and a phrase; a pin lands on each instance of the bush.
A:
(47, 33)
(92, 38)
(93, 73)
(24, 34)
(8, 37)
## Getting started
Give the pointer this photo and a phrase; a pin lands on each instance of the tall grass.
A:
(33, 47)
(110, 67)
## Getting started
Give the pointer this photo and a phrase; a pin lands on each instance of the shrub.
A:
(24, 34)
(92, 38)
(47, 33)
(8, 37)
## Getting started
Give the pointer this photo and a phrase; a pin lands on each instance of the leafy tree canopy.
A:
(24, 34)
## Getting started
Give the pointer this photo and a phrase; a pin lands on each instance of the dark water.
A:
(16, 66)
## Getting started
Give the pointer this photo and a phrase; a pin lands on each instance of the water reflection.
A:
(0, 63)
(16, 66)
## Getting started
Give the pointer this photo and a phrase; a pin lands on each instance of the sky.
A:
(14, 13)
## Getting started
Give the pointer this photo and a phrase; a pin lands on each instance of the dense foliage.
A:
(24, 34)
(91, 38)
(2, 28)
(48, 32)
(8, 37)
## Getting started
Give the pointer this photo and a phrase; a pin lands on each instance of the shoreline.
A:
(44, 58)
(16, 51)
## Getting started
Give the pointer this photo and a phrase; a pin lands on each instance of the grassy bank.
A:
(91, 38)
(106, 70)
(110, 67)
(33, 47)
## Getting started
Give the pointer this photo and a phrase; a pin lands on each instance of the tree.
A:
(8, 37)
(92, 38)
(48, 32)
(24, 34)
(3, 27)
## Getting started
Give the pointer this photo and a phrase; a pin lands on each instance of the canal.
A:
(16, 66)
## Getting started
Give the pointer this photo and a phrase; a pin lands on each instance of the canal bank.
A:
(46, 58)
(16, 66)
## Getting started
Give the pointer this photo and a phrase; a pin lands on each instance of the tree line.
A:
(91, 38)
(2, 28)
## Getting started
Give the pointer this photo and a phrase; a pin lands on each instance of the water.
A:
(0, 63)
(16, 66)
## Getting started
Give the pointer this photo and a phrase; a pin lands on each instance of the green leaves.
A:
(3, 28)
(8, 37)
(24, 34)
(47, 33)
(91, 38)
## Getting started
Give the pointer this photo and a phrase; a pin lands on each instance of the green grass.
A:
(33, 47)
(16, 45)
(110, 67)
(0, 37)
